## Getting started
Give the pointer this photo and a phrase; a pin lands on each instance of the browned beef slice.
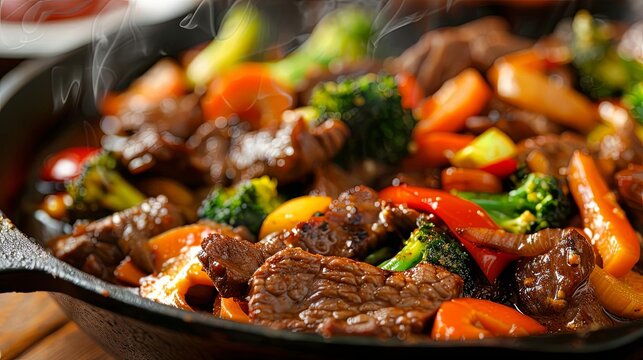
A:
(300, 291)
(113, 237)
(554, 289)
(230, 262)
(351, 227)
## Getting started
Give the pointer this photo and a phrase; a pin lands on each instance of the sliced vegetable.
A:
(447, 110)
(165, 79)
(533, 91)
(518, 244)
(617, 296)
(55, 205)
(238, 37)
(171, 243)
(474, 319)
(250, 92)
(460, 179)
(611, 233)
(67, 163)
(231, 310)
(455, 213)
(434, 149)
(128, 272)
(502, 168)
(411, 92)
(173, 283)
(289, 214)
(488, 148)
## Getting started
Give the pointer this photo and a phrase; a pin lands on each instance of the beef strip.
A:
(300, 291)
(352, 227)
(287, 153)
(550, 154)
(630, 190)
(100, 245)
(178, 116)
(230, 152)
(443, 53)
(553, 287)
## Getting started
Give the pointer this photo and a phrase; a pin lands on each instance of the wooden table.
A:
(33, 327)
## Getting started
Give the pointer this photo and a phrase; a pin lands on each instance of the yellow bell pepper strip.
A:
(611, 233)
(447, 110)
(617, 296)
(488, 148)
(475, 319)
(289, 214)
(534, 91)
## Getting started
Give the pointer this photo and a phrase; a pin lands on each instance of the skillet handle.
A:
(25, 266)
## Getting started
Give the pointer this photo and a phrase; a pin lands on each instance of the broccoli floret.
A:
(633, 99)
(431, 244)
(371, 106)
(101, 186)
(247, 203)
(538, 202)
(602, 72)
(340, 37)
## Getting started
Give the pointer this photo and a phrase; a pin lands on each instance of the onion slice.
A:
(517, 244)
(616, 296)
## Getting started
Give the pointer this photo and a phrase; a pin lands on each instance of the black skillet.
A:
(132, 327)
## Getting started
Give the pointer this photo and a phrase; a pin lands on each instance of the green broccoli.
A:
(602, 72)
(431, 244)
(340, 37)
(371, 107)
(101, 186)
(537, 202)
(633, 99)
(247, 203)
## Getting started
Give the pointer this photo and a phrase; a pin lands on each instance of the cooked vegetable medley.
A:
(478, 185)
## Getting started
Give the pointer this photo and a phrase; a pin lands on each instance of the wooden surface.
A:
(33, 327)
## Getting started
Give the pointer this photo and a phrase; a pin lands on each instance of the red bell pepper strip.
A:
(455, 212)
(411, 92)
(67, 163)
(502, 168)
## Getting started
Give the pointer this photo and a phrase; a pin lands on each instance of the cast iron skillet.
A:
(129, 326)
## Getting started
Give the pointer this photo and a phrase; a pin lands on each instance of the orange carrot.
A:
(611, 233)
(447, 110)
(617, 296)
(170, 243)
(532, 90)
(411, 92)
(434, 149)
(250, 92)
(128, 273)
(474, 319)
(165, 79)
(475, 180)
(231, 310)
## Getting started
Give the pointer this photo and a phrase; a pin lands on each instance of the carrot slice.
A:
(231, 310)
(170, 243)
(128, 273)
(611, 233)
(434, 149)
(460, 179)
(447, 110)
(250, 92)
(411, 92)
(473, 319)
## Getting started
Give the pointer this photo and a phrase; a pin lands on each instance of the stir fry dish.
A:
(478, 185)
